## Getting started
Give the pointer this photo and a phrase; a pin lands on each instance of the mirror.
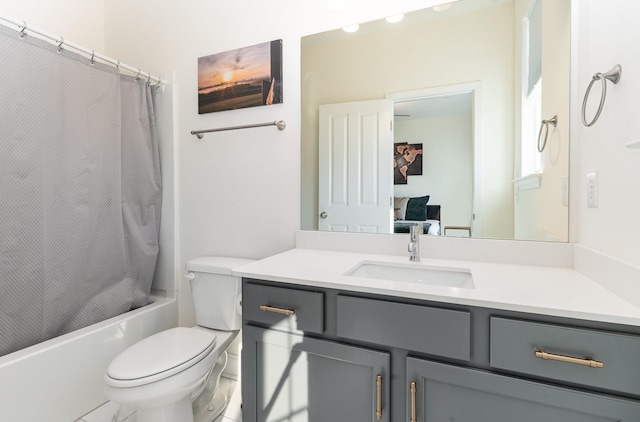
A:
(469, 86)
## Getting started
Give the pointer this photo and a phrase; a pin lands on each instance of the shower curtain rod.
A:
(23, 27)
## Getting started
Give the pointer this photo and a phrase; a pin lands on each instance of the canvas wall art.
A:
(407, 161)
(246, 77)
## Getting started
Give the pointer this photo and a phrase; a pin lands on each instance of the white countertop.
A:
(561, 292)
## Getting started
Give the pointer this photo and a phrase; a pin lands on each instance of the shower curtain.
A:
(80, 191)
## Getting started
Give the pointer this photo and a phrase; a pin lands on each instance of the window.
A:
(531, 112)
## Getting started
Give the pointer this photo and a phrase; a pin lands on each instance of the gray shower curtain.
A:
(80, 191)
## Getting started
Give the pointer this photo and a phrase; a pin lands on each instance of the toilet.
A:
(172, 376)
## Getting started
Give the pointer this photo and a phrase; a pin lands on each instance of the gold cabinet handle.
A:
(412, 388)
(379, 397)
(541, 354)
(267, 308)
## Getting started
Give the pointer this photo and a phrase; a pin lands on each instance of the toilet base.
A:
(183, 411)
(215, 407)
(178, 411)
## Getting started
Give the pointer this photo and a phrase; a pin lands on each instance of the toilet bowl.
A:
(172, 376)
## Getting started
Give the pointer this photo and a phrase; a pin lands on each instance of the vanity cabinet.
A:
(441, 392)
(292, 376)
(305, 379)
(370, 357)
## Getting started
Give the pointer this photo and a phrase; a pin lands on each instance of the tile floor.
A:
(110, 412)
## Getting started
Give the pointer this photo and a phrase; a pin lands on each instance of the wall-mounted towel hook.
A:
(614, 76)
(545, 124)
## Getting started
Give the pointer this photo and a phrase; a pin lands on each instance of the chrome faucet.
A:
(414, 242)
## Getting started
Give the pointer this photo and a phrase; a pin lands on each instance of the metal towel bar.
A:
(280, 124)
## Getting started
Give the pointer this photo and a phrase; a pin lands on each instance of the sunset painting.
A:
(246, 77)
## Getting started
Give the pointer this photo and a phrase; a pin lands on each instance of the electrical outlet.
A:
(592, 189)
(565, 191)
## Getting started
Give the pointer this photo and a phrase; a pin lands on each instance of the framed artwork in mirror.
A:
(407, 161)
(245, 77)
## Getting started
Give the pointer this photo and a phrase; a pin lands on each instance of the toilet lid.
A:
(162, 355)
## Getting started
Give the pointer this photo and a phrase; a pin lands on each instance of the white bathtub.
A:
(62, 379)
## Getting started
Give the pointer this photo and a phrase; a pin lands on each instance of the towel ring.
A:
(614, 76)
(545, 124)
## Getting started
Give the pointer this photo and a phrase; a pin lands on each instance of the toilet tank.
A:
(216, 293)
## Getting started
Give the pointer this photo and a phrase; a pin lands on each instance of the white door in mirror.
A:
(355, 183)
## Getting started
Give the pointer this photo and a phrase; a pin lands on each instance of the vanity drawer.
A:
(283, 308)
(514, 344)
(425, 329)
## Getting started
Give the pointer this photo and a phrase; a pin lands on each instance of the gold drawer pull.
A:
(585, 362)
(287, 312)
(379, 397)
(413, 389)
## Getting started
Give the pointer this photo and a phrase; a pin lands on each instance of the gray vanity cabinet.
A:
(316, 354)
(296, 378)
(442, 392)
(291, 374)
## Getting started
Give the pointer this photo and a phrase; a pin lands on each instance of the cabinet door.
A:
(450, 393)
(291, 378)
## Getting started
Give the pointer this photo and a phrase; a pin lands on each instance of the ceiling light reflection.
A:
(394, 18)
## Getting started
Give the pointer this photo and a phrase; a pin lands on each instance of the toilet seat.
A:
(160, 356)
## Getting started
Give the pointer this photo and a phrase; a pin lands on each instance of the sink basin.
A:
(414, 273)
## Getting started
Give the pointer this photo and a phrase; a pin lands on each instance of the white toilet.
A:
(172, 376)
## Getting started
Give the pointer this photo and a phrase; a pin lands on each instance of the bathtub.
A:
(61, 379)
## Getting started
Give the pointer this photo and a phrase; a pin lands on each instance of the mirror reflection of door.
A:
(354, 159)
(443, 126)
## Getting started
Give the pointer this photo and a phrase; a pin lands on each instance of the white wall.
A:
(79, 21)
(239, 192)
(447, 165)
(418, 57)
(609, 33)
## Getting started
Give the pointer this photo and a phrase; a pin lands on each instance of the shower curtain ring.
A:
(93, 57)
(60, 45)
(149, 79)
(138, 74)
(23, 29)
